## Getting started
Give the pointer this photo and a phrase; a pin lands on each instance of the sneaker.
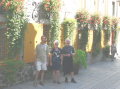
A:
(73, 81)
(66, 80)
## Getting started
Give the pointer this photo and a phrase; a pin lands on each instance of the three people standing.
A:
(57, 58)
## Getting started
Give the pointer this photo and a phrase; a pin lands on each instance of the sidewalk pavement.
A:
(102, 75)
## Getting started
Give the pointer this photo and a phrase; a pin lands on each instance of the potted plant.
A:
(79, 59)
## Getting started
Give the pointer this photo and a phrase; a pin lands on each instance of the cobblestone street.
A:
(102, 75)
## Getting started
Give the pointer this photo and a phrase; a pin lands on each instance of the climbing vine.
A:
(83, 39)
(106, 26)
(15, 25)
(52, 8)
(82, 24)
(69, 25)
(96, 46)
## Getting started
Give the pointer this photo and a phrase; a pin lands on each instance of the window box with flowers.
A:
(82, 18)
(94, 22)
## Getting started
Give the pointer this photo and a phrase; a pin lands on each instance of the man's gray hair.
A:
(67, 40)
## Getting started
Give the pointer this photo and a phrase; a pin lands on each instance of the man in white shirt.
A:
(42, 53)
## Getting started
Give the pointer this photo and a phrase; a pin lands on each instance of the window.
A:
(113, 8)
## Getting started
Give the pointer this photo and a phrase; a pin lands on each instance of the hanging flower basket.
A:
(82, 18)
(9, 5)
(106, 23)
(51, 5)
(114, 23)
(4, 6)
(94, 22)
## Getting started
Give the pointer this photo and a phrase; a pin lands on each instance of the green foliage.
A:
(106, 51)
(114, 23)
(80, 58)
(10, 68)
(106, 23)
(55, 28)
(15, 25)
(69, 25)
(106, 37)
(15, 32)
(94, 22)
(52, 7)
(82, 42)
(82, 18)
(10, 5)
(96, 46)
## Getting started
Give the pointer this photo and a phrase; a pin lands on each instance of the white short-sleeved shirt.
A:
(42, 51)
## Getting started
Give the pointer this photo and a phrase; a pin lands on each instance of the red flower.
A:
(1, 3)
(48, 9)
(46, 5)
(8, 4)
(48, 0)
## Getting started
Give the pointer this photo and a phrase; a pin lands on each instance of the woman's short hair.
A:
(56, 41)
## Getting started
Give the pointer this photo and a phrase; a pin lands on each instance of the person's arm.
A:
(73, 52)
(36, 51)
(61, 57)
(50, 59)
(48, 55)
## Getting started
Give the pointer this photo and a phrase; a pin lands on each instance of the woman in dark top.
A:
(55, 62)
(68, 53)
